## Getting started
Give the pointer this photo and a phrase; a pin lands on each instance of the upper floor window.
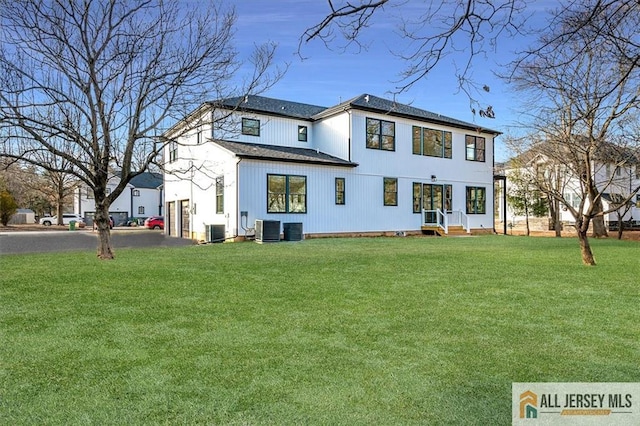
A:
(340, 191)
(390, 191)
(199, 137)
(286, 194)
(140, 209)
(381, 134)
(302, 133)
(431, 142)
(475, 147)
(476, 200)
(251, 127)
(173, 151)
(135, 193)
(89, 194)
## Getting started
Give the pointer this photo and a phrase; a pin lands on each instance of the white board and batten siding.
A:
(279, 131)
(409, 168)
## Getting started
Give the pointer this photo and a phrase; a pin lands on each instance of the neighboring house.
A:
(615, 180)
(366, 166)
(143, 197)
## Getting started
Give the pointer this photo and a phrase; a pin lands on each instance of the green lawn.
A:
(327, 331)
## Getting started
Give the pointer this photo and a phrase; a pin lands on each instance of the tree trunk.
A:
(526, 216)
(620, 226)
(598, 229)
(554, 216)
(101, 222)
(585, 247)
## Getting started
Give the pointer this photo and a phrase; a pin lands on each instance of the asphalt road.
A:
(57, 241)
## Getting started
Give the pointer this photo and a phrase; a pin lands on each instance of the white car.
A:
(66, 218)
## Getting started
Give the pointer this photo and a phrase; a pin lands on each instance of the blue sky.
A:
(326, 77)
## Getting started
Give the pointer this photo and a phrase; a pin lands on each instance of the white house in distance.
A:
(143, 197)
(615, 179)
(367, 166)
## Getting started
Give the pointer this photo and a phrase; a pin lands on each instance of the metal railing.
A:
(444, 220)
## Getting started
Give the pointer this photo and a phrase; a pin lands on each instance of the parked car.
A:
(154, 222)
(66, 219)
(111, 223)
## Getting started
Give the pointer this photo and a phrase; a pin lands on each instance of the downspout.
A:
(349, 141)
(130, 203)
(504, 203)
(191, 204)
(238, 214)
(79, 201)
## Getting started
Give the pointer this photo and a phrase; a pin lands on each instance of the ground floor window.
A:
(390, 191)
(140, 209)
(340, 191)
(432, 197)
(286, 194)
(476, 200)
(220, 194)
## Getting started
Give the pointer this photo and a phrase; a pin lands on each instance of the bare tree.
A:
(95, 82)
(428, 32)
(585, 78)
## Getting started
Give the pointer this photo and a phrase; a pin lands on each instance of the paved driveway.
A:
(54, 241)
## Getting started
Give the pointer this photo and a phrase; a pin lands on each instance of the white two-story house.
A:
(367, 166)
(143, 197)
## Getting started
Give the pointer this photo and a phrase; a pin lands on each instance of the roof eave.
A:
(293, 160)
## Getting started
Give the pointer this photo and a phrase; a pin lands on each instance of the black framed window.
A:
(381, 134)
(390, 191)
(199, 137)
(302, 133)
(429, 196)
(173, 151)
(431, 142)
(476, 200)
(475, 148)
(340, 191)
(251, 127)
(140, 209)
(220, 194)
(286, 194)
(135, 193)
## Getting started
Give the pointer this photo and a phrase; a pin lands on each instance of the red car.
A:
(154, 222)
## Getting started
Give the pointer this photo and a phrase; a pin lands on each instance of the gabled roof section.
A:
(287, 154)
(148, 180)
(263, 105)
(385, 106)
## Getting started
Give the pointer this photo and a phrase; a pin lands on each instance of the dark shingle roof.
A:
(282, 108)
(385, 106)
(147, 180)
(283, 153)
(270, 106)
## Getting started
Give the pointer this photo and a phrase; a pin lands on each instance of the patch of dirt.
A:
(36, 227)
